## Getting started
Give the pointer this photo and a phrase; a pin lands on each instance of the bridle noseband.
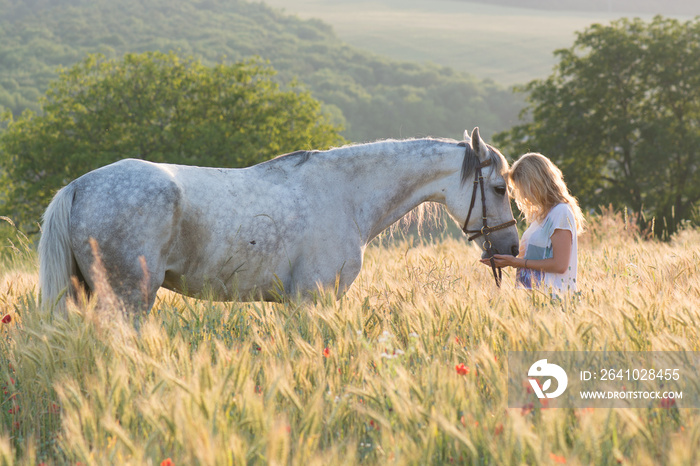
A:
(485, 230)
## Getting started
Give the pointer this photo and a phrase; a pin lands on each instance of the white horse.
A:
(286, 226)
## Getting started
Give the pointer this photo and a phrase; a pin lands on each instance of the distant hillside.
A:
(374, 96)
(511, 44)
(640, 7)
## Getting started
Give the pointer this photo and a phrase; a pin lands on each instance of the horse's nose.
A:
(514, 250)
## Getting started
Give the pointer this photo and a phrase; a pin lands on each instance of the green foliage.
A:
(371, 96)
(621, 116)
(155, 107)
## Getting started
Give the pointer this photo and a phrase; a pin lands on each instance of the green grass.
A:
(230, 383)
(509, 45)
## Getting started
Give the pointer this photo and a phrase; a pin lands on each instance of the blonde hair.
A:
(537, 186)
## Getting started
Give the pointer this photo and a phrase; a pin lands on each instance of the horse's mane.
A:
(301, 156)
(469, 164)
(428, 212)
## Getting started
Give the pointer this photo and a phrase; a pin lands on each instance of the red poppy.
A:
(326, 352)
(167, 462)
(7, 319)
(527, 409)
(557, 458)
(668, 403)
(462, 369)
(498, 430)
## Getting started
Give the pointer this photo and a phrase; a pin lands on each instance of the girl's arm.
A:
(559, 263)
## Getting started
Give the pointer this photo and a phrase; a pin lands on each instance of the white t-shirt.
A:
(537, 244)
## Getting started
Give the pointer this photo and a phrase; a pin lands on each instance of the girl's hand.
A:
(504, 260)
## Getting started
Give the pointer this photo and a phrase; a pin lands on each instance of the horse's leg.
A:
(133, 277)
(138, 286)
(334, 272)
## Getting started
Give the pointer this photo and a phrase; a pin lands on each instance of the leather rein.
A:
(485, 230)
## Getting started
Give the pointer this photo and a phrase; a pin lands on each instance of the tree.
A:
(621, 116)
(156, 107)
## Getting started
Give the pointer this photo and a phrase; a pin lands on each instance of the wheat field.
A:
(369, 379)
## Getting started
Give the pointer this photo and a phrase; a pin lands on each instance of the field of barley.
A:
(408, 368)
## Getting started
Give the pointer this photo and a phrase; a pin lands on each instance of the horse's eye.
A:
(500, 190)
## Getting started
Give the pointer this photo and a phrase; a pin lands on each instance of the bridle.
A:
(485, 230)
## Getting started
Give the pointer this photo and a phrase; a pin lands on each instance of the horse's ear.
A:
(478, 144)
(466, 135)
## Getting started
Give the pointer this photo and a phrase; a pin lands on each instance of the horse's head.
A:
(483, 189)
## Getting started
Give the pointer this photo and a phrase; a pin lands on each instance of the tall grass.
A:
(367, 379)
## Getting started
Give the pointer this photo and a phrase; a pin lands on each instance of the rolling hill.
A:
(375, 97)
(509, 41)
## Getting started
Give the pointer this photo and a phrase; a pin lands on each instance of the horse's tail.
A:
(56, 261)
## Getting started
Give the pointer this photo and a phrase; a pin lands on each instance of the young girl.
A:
(548, 249)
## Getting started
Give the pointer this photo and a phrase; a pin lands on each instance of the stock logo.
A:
(543, 369)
